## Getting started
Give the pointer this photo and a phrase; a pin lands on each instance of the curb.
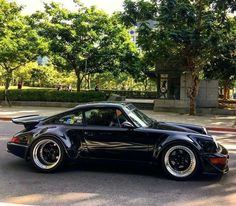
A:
(221, 129)
(6, 118)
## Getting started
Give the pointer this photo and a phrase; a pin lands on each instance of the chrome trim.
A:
(176, 173)
(38, 158)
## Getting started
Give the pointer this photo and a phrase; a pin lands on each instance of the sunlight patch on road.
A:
(26, 199)
(226, 199)
(74, 196)
(10, 204)
(4, 138)
(54, 199)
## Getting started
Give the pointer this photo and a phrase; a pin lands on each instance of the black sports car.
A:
(117, 132)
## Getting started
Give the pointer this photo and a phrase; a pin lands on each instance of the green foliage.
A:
(53, 95)
(44, 76)
(174, 29)
(133, 94)
(223, 65)
(86, 41)
(182, 34)
(19, 43)
(122, 81)
(48, 76)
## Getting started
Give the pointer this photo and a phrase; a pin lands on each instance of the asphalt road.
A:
(113, 184)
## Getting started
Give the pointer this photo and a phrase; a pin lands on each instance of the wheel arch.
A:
(159, 148)
(64, 143)
(172, 173)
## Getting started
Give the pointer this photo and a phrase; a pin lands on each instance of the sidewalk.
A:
(16, 111)
(212, 122)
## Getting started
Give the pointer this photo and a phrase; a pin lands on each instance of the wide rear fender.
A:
(57, 132)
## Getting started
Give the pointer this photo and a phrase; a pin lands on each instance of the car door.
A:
(106, 138)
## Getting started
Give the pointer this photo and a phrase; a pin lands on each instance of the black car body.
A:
(117, 132)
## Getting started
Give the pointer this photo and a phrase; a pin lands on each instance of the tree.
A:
(223, 65)
(183, 33)
(86, 41)
(19, 44)
(23, 74)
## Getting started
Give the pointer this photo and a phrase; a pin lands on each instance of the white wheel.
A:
(179, 162)
(47, 154)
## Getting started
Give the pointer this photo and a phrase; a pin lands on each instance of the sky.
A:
(108, 5)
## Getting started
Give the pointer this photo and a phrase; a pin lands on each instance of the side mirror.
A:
(127, 125)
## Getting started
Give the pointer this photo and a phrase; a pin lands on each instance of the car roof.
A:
(104, 104)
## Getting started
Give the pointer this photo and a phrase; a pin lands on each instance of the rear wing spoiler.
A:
(28, 121)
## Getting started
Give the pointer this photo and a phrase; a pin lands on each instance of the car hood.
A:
(180, 127)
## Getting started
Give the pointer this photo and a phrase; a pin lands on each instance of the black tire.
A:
(179, 161)
(47, 154)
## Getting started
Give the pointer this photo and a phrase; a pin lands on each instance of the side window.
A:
(75, 118)
(105, 117)
(120, 117)
(101, 117)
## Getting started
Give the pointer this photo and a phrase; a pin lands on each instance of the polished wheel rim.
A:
(46, 154)
(180, 161)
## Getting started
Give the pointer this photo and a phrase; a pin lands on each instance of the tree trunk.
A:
(78, 84)
(193, 92)
(226, 90)
(192, 106)
(8, 79)
(145, 84)
(79, 79)
(157, 81)
(88, 82)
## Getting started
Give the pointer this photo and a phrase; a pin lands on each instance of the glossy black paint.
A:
(143, 144)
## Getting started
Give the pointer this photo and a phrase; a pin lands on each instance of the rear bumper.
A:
(216, 163)
(17, 149)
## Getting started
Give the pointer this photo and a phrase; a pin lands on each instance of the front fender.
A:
(173, 139)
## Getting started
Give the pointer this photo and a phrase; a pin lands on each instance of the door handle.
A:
(105, 133)
(89, 134)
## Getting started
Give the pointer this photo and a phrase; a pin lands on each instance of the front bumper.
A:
(216, 163)
(17, 149)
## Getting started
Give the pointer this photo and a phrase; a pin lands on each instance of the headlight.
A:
(205, 130)
(207, 145)
(214, 139)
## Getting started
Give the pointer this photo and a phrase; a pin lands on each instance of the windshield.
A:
(139, 118)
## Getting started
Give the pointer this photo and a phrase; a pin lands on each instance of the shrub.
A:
(134, 94)
(49, 95)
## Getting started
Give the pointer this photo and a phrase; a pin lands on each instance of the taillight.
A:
(15, 140)
(218, 160)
